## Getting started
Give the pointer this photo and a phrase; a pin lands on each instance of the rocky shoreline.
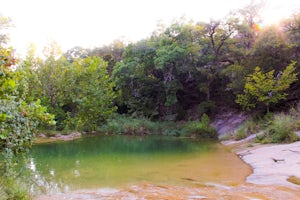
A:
(272, 164)
(42, 138)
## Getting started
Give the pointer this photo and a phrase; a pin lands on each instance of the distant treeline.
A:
(180, 72)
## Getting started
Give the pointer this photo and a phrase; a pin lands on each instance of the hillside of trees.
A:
(180, 72)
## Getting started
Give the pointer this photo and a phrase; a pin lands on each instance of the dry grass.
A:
(294, 179)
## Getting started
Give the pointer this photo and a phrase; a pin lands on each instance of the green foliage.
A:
(127, 125)
(266, 88)
(11, 190)
(163, 77)
(19, 119)
(270, 50)
(202, 129)
(121, 124)
(280, 129)
(276, 128)
(141, 90)
(247, 128)
(236, 74)
(206, 107)
(80, 93)
(124, 125)
(241, 134)
(90, 93)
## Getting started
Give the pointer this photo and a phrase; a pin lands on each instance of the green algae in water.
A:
(115, 161)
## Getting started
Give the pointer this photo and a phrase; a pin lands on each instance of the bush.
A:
(246, 129)
(10, 190)
(206, 107)
(281, 129)
(241, 133)
(127, 125)
(202, 129)
(120, 124)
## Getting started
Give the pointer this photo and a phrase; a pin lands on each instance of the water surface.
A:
(116, 161)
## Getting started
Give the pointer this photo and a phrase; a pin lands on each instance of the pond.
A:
(117, 161)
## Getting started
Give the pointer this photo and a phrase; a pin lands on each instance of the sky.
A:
(94, 23)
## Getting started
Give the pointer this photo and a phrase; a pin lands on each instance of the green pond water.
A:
(116, 161)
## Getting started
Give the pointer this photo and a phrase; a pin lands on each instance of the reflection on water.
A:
(113, 161)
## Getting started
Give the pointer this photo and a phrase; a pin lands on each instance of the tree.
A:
(5, 23)
(270, 50)
(142, 91)
(170, 59)
(249, 17)
(266, 88)
(291, 27)
(177, 55)
(215, 40)
(49, 75)
(89, 94)
(78, 91)
(112, 53)
(19, 117)
(76, 52)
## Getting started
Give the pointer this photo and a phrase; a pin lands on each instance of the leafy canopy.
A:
(19, 119)
(266, 88)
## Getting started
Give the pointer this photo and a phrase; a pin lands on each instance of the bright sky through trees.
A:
(90, 23)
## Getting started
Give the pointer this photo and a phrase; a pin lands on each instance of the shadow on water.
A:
(115, 161)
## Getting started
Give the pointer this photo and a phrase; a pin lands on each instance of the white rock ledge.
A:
(273, 165)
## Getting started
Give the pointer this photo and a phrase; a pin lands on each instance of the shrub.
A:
(10, 190)
(206, 107)
(241, 133)
(281, 129)
(246, 129)
(121, 124)
(202, 129)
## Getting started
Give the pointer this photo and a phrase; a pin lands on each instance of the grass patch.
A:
(246, 129)
(10, 190)
(201, 129)
(121, 124)
(250, 145)
(280, 129)
(294, 179)
(277, 127)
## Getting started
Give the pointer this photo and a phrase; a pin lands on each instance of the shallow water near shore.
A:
(118, 161)
(128, 167)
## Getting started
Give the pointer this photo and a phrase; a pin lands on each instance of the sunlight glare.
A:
(92, 23)
(277, 10)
